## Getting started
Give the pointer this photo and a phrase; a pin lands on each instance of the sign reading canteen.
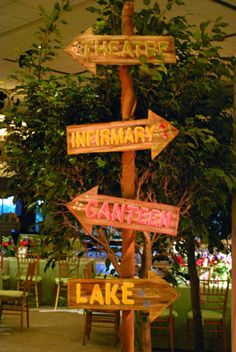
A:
(90, 209)
(90, 49)
(153, 133)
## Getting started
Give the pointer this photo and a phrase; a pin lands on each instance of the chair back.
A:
(1, 260)
(88, 273)
(68, 266)
(23, 262)
(214, 295)
(30, 274)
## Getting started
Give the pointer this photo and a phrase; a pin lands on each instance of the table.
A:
(48, 276)
(182, 306)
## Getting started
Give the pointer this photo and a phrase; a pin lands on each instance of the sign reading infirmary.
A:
(90, 49)
(91, 208)
(153, 133)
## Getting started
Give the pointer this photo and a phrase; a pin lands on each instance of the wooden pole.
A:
(128, 104)
(233, 305)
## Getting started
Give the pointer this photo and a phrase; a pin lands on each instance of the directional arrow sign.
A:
(151, 295)
(90, 49)
(90, 209)
(153, 133)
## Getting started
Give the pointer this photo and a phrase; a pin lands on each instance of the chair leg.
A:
(225, 337)
(171, 322)
(187, 335)
(21, 315)
(27, 311)
(36, 295)
(57, 296)
(117, 329)
(87, 327)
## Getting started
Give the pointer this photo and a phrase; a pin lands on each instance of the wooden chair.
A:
(68, 268)
(99, 317)
(5, 275)
(213, 299)
(166, 322)
(22, 265)
(15, 302)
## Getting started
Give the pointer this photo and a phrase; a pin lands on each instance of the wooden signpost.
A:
(90, 49)
(150, 295)
(93, 209)
(153, 133)
(126, 136)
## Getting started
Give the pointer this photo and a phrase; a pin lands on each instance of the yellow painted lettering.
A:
(73, 139)
(113, 47)
(163, 45)
(138, 45)
(96, 295)
(129, 137)
(150, 48)
(89, 137)
(105, 136)
(127, 49)
(80, 139)
(150, 131)
(139, 134)
(117, 136)
(101, 48)
(110, 293)
(79, 298)
(97, 136)
(127, 292)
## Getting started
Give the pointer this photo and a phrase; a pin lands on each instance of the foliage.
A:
(195, 172)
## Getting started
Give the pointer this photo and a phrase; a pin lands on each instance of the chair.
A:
(22, 265)
(99, 317)
(68, 268)
(15, 302)
(5, 276)
(166, 322)
(213, 300)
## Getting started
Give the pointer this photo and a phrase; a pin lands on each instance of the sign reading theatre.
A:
(90, 49)
(93, 209)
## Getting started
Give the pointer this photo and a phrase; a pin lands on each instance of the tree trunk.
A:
(128, 178)
(146, 339)
(195, 299)
(233, 306)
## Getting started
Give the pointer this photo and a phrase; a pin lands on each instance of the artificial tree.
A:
(196, 172)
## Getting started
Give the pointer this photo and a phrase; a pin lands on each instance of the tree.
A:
(196, 172)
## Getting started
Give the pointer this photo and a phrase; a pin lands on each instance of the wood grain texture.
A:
(90, 49)
(90, 209)
(154, 133)
(151, 295)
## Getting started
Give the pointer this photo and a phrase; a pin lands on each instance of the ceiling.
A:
(19, 20)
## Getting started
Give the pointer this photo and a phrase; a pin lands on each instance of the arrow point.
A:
(92, 191)
(88, 228)
(91, 66)
(154, 152)
(88, 31)
(74, 207)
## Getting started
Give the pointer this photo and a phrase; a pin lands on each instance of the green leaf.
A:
(100, 162)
